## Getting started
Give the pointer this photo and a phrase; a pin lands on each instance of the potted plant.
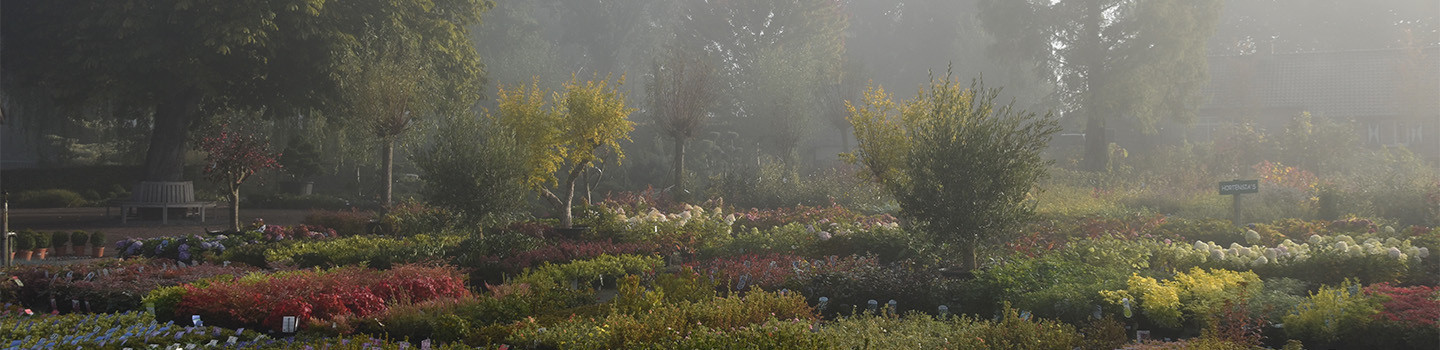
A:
(24, 244)
(42, 244)
(58, 241)
(77, 242)
(97, 244)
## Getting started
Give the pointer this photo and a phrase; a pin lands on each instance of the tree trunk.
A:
(1097, 147)
(568, 218)
(165, 158)
(1097, 152)
(235, 208)
(680, 166)
(389, 170)
(968, 254)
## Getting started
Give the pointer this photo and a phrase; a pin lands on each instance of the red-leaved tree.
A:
(232, 158)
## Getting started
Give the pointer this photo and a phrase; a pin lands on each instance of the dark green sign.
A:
(1239, 186)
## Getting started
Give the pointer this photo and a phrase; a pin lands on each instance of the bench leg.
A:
(202, 214)
(164, 215)
(123, 214)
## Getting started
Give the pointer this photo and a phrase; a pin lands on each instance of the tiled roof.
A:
(1337, 84)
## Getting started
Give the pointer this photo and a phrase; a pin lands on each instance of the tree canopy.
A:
(182, 59)
(565, 134)
(1143, 61)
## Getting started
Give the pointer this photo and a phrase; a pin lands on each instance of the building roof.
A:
(1370, 83)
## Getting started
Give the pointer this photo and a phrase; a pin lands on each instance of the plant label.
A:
(195, 320)
(287, 324)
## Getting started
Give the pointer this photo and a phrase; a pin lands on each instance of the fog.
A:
(1133, 81)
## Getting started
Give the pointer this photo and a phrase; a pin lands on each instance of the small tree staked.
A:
(233, 157)
(961, 166)
(565, 135)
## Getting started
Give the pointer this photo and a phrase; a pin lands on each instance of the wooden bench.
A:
(164, 195)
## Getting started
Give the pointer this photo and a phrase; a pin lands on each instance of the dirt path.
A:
(95, 219)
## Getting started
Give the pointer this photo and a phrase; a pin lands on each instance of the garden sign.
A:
(1235, 188)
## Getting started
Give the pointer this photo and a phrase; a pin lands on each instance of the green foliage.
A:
(97, 239)
(549, 275)
(473, 170)
(59, 239)
(52, 198)
(344, 222)
(958, 163)
(1332, 313)
(1196, 295)
(412, 217)
(25, 240)
(79, 238)
(375, 252)
(164, 299)
(42, 240)
(301, 158)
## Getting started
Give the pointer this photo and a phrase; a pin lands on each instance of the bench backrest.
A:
(163, 192)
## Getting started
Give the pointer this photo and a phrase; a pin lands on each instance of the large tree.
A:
(182, 59)
(1139, 60)
(681, 89)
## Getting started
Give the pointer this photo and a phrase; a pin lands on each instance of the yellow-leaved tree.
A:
(565, 134)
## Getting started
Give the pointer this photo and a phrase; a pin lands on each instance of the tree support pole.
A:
(8, 245)
(1235, 207)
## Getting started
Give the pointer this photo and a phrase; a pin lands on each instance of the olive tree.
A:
(961, 166)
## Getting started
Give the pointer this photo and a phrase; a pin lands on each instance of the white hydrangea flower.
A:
(1252, 237)
(1342, 246)
(1395, 252)
(1201, 246)
(1217, 255)
(1423, 252)
(1262, 261)
(1271, 253)
(1389, 230)
(1317, 239)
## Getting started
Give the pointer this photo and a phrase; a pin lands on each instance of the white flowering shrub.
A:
(1323, 259)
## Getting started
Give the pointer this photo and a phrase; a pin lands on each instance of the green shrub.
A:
(292, 201)
(1331, 314)
(375, 252)
(473, 170)
(25, 240)
(886, 243)
(79, 238)
(549, 275)
(412, 218)
(97, 239)
(164, 300)
(51, 198)
(346, 222)
(42, 240)
(59, 239)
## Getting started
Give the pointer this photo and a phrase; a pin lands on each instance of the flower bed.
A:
(262, 299)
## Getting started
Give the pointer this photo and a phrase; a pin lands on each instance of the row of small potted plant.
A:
(37, 245)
